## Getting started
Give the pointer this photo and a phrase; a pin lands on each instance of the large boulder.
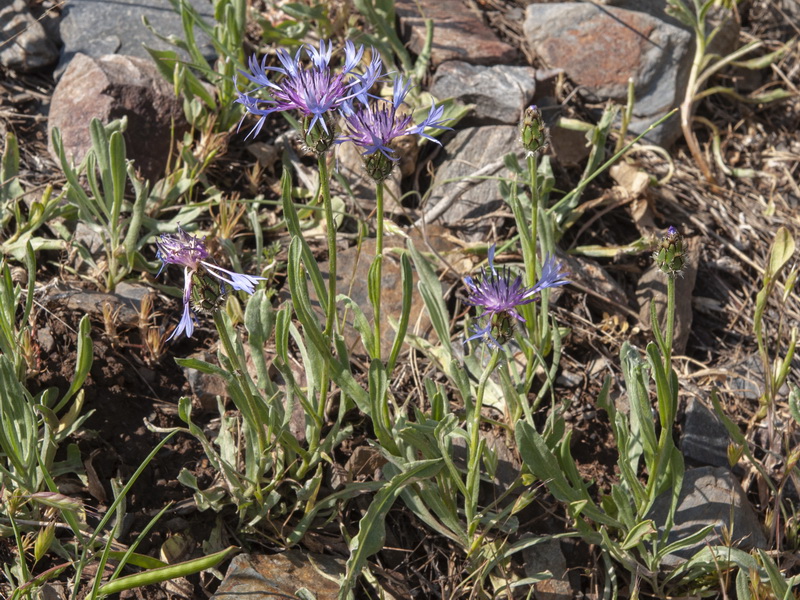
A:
(109, 88)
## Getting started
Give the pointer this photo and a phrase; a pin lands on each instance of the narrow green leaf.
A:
(781, 251)
(637, 534)
(118, 167)
(407, 284)
(372, 527)
(361, 324)
(431, 290)
(167, 573)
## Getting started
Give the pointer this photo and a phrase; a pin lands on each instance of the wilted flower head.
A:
(671, 256)
(373, 126)
(315, 90)
(205, 283)
(499, 293)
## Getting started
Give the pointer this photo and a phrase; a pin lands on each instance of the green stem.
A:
(330, 231)
(535, 200)
(378, 266)
(474, 429)
(670, 322)
(532, 269)
(252, 410)
(330, 309)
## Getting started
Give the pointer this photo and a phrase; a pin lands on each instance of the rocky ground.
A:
(61, 65)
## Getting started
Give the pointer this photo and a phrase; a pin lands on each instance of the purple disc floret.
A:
(373, 126)
(314, 90)
(498, 292)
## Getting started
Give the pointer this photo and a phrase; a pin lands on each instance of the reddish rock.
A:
(601, 47)
(458, 33)
(109, 88)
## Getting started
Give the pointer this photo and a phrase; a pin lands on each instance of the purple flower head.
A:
(200, 274)
(373, 126)
(316, 91)
(499, 293)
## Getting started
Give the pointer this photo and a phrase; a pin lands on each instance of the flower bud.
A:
(535, 136)
(319, 138)
(671, 256)
(208, 294)
(378, 166)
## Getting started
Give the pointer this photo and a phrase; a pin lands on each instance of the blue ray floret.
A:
(372, 127)
(316, 90)
(499, 293)
(191, 253)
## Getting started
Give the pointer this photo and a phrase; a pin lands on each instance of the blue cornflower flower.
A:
(373, 126)
(316, 90)
(499, 293)
(190, 252)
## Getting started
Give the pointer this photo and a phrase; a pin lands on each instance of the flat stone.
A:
(704, 438)
(24, 43)
(653, 286)
(458, 33)
(709, 495)
(601, 47)
(500, 93)
(109, 88)
(99, 28)
(470, 150)
(589, 274)
(206, 386)
(548, 557)
(92, 303)
(352, 276)
(281, 576)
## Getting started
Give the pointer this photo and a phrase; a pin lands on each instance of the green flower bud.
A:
(535, 136)
(319, 138)
(208, 294)
(378, 165)
(671, 255)
(502, 327)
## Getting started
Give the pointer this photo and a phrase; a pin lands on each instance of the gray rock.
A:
(499, 93)
(458, 33)
(704, 438)
(262, 577)
(472, 149)
(99, 28)
(746, 384)
(709, 495)
(600, 47)
(24, 44)
(206, 386)
(547, 557)
(109, 88)
(92, 303)
(90, 239)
